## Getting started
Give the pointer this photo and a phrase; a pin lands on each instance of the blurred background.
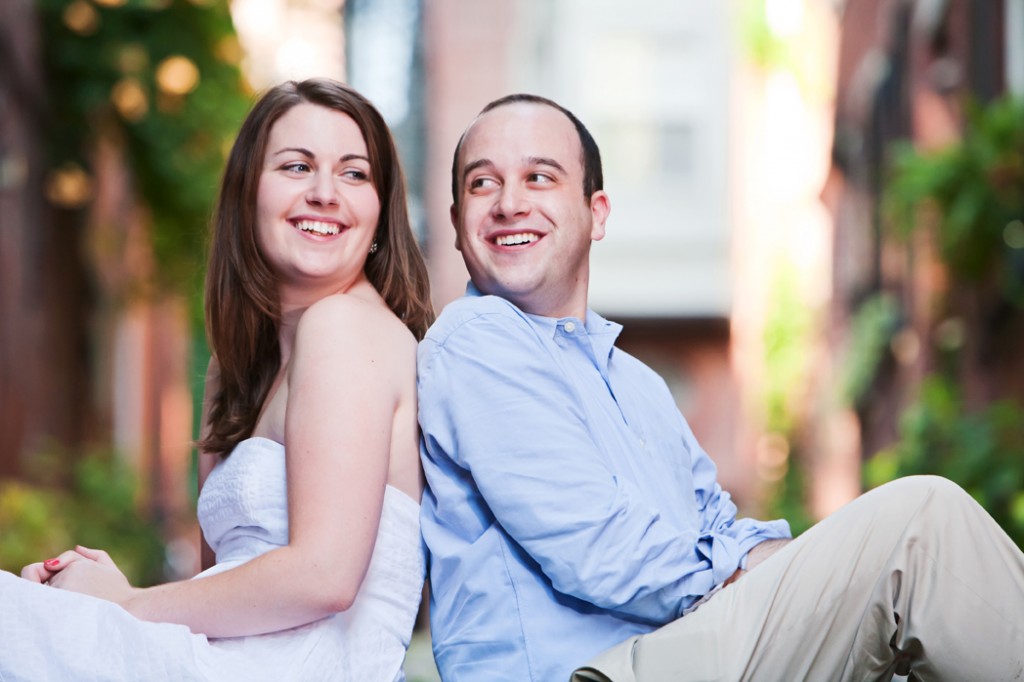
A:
(817, 232)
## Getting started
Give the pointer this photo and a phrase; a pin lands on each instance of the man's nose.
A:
(512, 201)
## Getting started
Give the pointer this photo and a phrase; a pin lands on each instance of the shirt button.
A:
(570, 327)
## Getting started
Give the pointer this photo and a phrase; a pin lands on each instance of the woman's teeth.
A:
(317, 227)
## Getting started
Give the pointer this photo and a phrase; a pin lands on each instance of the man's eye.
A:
(478, 183)
(539, 178)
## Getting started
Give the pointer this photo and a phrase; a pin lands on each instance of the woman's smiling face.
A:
(317, 207)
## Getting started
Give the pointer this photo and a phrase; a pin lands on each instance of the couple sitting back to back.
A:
(574, 528)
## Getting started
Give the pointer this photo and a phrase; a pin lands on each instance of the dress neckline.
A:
(280, 447)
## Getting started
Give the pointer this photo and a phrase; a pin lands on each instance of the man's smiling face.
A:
(523, 224)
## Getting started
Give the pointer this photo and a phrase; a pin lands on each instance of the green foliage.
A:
(763, 47)
(970, 195)
(973, 192)
(871, 330)
(787, 334)
(788, 499)
(981, 451)
(98, 509)
(27, 529)
(104, 64)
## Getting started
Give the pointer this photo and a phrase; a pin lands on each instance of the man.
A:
(569, 507)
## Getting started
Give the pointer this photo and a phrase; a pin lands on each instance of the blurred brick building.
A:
(906, 71)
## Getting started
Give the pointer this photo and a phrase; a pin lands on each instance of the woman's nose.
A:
(323, 190)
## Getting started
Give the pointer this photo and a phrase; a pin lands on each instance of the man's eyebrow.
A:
(531, 160)
(473, 165)
(545, 161)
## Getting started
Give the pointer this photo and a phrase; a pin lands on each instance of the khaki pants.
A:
(912, 577)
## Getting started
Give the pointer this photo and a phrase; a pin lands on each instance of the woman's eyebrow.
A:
(344, 158)
(301, 150)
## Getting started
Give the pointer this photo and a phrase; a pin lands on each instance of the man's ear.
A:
(453, 213)
(600, 207)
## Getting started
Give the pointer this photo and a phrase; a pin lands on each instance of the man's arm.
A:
(720, 529)
(497, 404)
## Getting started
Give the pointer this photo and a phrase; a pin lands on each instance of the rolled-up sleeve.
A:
(501, 417)
(724, 539)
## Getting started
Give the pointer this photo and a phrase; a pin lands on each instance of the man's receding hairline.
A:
(494, 106)
(501, 105)
(590, 155)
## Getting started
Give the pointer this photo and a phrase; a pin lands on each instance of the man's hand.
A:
(762, 551)
(84, 570)
(756, 555)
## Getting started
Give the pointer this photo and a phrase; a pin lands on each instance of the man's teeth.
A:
(318, 227)
(514, 239)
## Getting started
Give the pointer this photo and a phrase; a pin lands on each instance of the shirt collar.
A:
(603, 333)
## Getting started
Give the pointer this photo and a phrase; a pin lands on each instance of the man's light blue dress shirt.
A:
(568, 505)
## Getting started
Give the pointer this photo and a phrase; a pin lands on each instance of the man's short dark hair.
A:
(593, 177)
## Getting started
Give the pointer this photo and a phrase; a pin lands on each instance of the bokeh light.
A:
(82, 18)
(130, 99)
(1013, 234)
(951, 333)
(69, 187)
(772, 457)
(229, 50)
(177, 75)
(132, 58)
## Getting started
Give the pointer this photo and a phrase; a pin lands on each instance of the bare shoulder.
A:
(343, 321)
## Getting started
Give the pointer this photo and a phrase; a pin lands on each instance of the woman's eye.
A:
(296, 167)
(356, 175)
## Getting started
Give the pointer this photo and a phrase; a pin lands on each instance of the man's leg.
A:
(913, 575)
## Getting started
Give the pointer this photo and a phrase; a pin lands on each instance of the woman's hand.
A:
(84, 570)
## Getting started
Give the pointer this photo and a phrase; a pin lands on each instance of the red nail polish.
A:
(50, 563)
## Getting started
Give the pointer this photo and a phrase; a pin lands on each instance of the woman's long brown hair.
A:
(242, 308)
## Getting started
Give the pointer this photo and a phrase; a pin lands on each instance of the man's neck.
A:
(556, 311)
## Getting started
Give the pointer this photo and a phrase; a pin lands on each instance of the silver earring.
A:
(373, 247)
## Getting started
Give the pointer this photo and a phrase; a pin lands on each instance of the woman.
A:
(316, 294)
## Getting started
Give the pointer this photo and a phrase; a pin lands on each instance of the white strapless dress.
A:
(50, 634)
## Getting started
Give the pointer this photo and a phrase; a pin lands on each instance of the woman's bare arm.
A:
(347, 369)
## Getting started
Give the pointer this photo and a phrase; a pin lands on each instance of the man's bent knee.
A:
(923, 487)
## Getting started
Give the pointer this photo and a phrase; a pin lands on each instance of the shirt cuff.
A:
(724, 554)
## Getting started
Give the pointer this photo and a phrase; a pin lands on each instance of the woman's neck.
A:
(293, 305)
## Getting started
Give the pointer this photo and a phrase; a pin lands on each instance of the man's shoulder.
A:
(477, 331)
(463, 314)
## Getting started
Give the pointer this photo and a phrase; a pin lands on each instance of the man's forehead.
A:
(521, 129)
